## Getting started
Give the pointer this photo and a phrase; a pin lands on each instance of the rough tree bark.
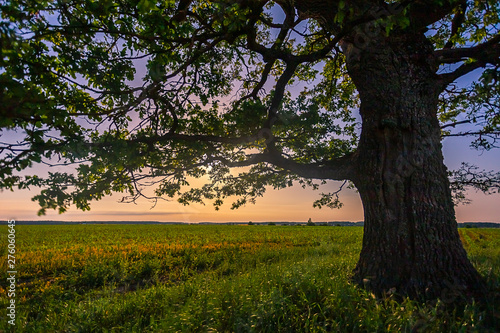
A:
(411, 244)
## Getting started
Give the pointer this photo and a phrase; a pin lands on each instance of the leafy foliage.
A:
(247, 94)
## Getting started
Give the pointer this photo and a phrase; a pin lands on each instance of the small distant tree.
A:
(154, 93)
(250, 223)
(271, 223)
(310, 222)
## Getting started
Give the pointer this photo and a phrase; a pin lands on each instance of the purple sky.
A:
(293, 204)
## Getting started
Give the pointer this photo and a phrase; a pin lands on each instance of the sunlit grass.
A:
(185, 278)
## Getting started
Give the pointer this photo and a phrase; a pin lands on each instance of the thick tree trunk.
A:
(411, 244)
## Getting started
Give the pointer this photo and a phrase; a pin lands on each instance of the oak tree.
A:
(253, 94)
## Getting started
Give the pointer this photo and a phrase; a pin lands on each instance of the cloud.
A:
(126, 213)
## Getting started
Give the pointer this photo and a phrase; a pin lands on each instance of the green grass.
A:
(197, 278)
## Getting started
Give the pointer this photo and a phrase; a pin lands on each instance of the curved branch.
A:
(448, 78)
(279, 93)
(488, 51)
(338, 169)
(273, 53)
(485, 53)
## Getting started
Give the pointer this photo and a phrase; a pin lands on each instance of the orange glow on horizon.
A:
(292, 204)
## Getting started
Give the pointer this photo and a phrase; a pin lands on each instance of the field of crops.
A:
(217, 278)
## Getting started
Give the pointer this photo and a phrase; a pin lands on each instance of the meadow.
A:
(219, 278)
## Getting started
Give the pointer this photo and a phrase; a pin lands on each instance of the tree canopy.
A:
(136, 93)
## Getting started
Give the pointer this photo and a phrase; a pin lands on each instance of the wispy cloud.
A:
(126, 213)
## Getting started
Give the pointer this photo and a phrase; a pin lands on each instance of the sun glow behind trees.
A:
(375, 56)
(144, 68)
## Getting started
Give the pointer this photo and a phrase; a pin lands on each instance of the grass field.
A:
(198, 278)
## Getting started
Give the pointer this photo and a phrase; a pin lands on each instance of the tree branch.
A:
(425, 12)
(488, 51)
(474, 133)
(448, 78)
(337, 169)
(456, 23)
(456, 123)
(485, 53)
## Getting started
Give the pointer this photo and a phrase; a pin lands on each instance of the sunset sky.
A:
(292, 204)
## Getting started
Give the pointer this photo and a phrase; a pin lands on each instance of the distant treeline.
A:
(283, 223)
